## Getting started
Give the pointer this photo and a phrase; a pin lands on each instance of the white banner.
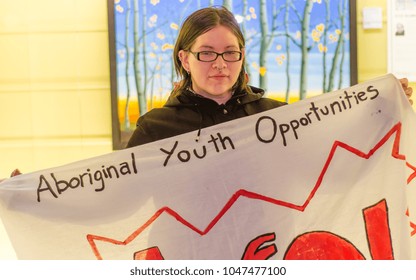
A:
(330, 177)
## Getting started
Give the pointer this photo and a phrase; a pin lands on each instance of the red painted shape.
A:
(378, 231)
(413, 175)
(412, 225)
(152, 253)
(257, 250)
(394, 131)
(322, 245)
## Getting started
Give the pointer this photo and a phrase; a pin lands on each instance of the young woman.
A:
(209, 57)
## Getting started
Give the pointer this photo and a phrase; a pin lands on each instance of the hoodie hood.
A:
(188, 98)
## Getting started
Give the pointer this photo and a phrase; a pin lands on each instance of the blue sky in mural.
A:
(163, 19)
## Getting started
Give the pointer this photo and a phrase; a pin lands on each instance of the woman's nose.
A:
(219, 62)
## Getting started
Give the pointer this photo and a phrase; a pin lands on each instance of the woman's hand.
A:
(14, 173)
(407, 90)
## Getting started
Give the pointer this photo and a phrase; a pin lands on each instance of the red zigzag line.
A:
(244, 193)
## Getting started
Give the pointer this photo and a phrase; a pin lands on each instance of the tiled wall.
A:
(54, 83)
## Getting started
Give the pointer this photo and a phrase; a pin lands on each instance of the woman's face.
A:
(213, 79)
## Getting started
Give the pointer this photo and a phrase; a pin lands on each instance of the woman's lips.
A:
(218, 76)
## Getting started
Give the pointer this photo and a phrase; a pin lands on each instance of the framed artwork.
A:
(294, 49)
(401, 38)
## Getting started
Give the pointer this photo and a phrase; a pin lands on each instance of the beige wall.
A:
(54, 83)
(371, 44)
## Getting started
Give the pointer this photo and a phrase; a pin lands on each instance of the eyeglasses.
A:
(209, 56)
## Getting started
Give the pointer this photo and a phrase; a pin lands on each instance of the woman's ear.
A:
(183, 57)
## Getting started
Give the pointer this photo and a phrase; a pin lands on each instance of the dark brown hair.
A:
(198, 23)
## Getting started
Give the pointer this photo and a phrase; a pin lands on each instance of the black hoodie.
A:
(188, 112)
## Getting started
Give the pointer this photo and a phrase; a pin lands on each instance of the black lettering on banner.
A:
(97, 178)
(184, 156)
(261, 138)
(42, 180)
(316, 113)
(220, 143)
(170, 153)
(373, 90)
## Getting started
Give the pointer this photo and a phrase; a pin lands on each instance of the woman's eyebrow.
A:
(212, 48)
(206, 47)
